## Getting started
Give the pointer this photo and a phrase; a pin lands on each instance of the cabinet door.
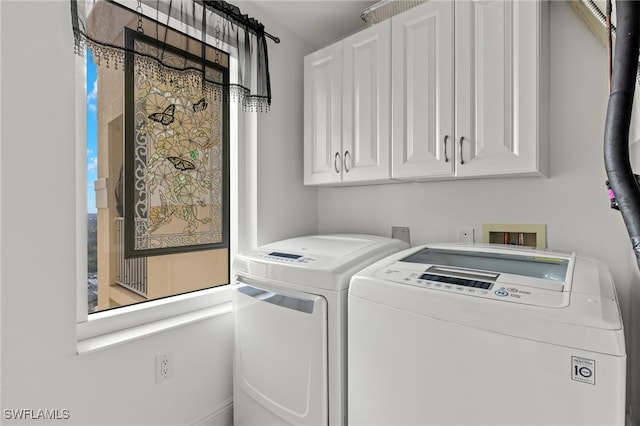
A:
(366, 104)
(499, 91)
(323, 116)
(422, 49)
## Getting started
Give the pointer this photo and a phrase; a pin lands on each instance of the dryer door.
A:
(280, 365)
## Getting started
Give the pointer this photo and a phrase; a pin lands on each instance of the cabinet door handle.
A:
(335, 162)
(461, 159)
(446, 158)
(346, 168)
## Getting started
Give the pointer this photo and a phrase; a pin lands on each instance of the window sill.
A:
(107, 329)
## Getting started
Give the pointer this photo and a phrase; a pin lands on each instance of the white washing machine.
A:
(485, 335)
(290, 301)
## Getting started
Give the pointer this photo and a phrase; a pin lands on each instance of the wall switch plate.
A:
(164, 367)
(465, 235)
(401, 233)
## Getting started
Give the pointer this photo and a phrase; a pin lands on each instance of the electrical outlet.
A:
(164, 367)
(465, 235)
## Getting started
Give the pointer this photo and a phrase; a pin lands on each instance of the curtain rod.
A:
(233, 12)
(272, 37)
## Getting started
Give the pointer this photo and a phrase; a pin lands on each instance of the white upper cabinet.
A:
(470, 89)
(423, 120)
(501, 85)
(347, 116)
(444, 90)
(323, 116)
(366, 105)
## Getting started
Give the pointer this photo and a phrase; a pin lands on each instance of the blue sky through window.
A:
(92, 132)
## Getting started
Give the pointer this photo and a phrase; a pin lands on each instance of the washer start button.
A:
(502, 293)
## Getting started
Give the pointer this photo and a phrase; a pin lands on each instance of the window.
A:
(157, 176)
(104, 153)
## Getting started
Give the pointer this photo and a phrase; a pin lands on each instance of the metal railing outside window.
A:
(131, 273)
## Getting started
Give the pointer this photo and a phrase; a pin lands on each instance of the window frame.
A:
(108, 328)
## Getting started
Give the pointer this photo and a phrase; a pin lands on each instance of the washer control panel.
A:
(486, 286)
(457, 281)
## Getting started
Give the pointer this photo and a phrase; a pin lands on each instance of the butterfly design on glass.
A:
(181, 163)
(166, 117)
(201, 105)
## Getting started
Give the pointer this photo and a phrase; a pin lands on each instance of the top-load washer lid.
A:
(541, 270)
(322, 261)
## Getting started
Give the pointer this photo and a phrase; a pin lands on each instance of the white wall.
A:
(40, 368)
(286, 207)
(572, 202)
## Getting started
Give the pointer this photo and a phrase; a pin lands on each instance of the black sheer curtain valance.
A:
(211, 30)
(233, 13)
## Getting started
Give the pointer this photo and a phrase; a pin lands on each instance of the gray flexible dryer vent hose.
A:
(616, 134)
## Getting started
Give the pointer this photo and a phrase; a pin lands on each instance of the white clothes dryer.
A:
(485, 335)
(290, 301)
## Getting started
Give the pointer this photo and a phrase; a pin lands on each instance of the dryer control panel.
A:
(320, 261)
(279, 256)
